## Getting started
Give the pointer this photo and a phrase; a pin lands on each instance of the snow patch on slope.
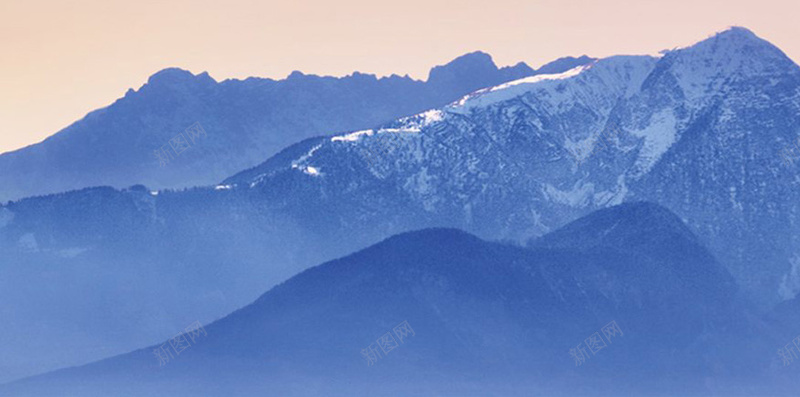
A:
(412, 124)
(542, 77)
(351, 137)
(378, 147)
(614, 196)
(577, 197)
(513, 89)
(302, 162)
(659, 135)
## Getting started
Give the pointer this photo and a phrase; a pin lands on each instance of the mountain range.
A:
(697, 130)
(474, 318)
(146, 137)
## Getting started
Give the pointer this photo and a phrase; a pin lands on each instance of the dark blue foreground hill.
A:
(488, 319)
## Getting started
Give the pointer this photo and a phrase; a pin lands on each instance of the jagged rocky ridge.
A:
(698, 130)
(245, 121)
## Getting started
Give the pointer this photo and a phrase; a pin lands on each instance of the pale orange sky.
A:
(62, 59)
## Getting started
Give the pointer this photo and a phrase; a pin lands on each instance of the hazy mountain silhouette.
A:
(699, 131)
(243, 121)
(487, 319)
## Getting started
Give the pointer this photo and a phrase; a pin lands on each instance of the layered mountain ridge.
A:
(243, 121)
(482, 319)
(512, 162)
(699, 128)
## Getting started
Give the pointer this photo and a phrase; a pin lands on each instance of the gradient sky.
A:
(62, 59)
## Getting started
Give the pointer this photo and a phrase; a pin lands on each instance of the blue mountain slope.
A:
(643, 227)
(699, 130)
(487, 319)
(245, 121)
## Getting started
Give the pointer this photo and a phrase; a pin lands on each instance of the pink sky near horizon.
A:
(64, 59)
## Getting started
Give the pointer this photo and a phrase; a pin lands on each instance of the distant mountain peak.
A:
(175, 75)
(296, 74)
(471, 58)
(467, 64)
(433, 236)
(738, 32)
(736, 45)
(563, 64)
(635, 218)
(177, 80)
(711, 65)
(739, 37)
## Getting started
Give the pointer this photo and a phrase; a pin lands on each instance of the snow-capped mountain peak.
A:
(518, 159)
(705, 68)
(700, 139)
